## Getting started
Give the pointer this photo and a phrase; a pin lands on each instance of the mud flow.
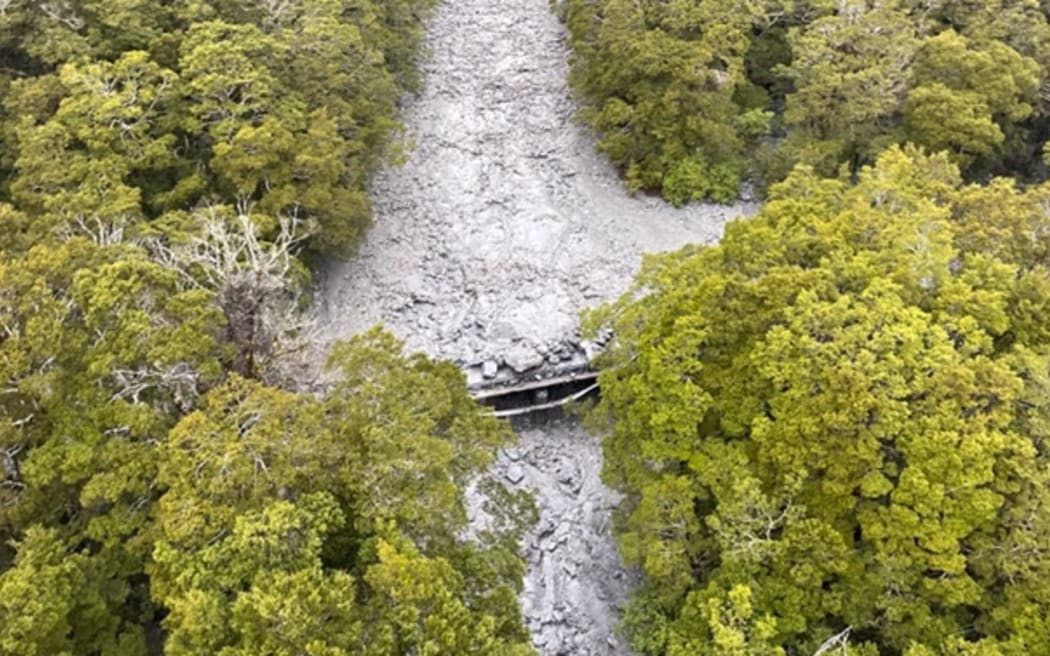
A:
(499, 227)
(575, 585)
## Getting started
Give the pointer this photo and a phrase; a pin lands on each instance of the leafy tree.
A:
(100, 349)
(107, 128)
(960, 99)
(733, 629)
(346, 510)
(155, 188)
(839, 407)
(261, 588)
(60, 600)
(284, 106)
(659, 82)
(849, 72)
(32, 623)
(688, 97)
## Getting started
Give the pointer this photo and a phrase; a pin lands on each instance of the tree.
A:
(850, 73)
(346, 510)
(261, 587)
(659, 81)
(100, 349)
(960, 99)
(108, 128)
(734, 631)
(32, 624)
(258, 284)
(688, 97)
(839, 408)
(57, 600)
(155, 190)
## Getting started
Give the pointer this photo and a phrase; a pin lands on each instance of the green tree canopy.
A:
(159, 108)
(161, 165)
(842, 409)
(346, 512)
(687, 98)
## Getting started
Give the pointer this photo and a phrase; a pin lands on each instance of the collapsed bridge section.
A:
(511, 392)
(539, 394)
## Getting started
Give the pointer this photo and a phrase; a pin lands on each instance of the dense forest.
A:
(837, 418)
(690, 98)
(830, 427)
(162, 167)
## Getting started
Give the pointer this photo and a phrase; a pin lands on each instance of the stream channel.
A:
(499, 227)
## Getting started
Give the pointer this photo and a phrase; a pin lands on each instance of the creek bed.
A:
(500, 226)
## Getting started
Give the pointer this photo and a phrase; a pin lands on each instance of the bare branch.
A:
(62, 12)
(180, 381)
(838, 640)
(100, 232)
(255, 282)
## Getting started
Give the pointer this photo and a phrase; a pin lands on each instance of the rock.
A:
(569, 477)
(513, 453)
(590, 349)
(514, 473)
(521, 358)
(503, 330)
(489, 369)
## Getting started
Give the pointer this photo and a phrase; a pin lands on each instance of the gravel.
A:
(499, 227)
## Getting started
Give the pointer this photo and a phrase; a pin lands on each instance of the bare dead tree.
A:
(277, 11)
(61, 11)
(10, 476)
(179, 381)
(258, 285)
(102, 233)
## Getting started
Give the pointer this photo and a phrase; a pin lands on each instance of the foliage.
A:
(285, 107)
(679, 92)
(265, 520)
(837, 418)
(334, 523)
(661, 78)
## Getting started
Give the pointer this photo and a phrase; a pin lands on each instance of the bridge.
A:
(539, 394)
(515, 394)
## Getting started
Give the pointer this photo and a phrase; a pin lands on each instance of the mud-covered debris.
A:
(500, 227)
